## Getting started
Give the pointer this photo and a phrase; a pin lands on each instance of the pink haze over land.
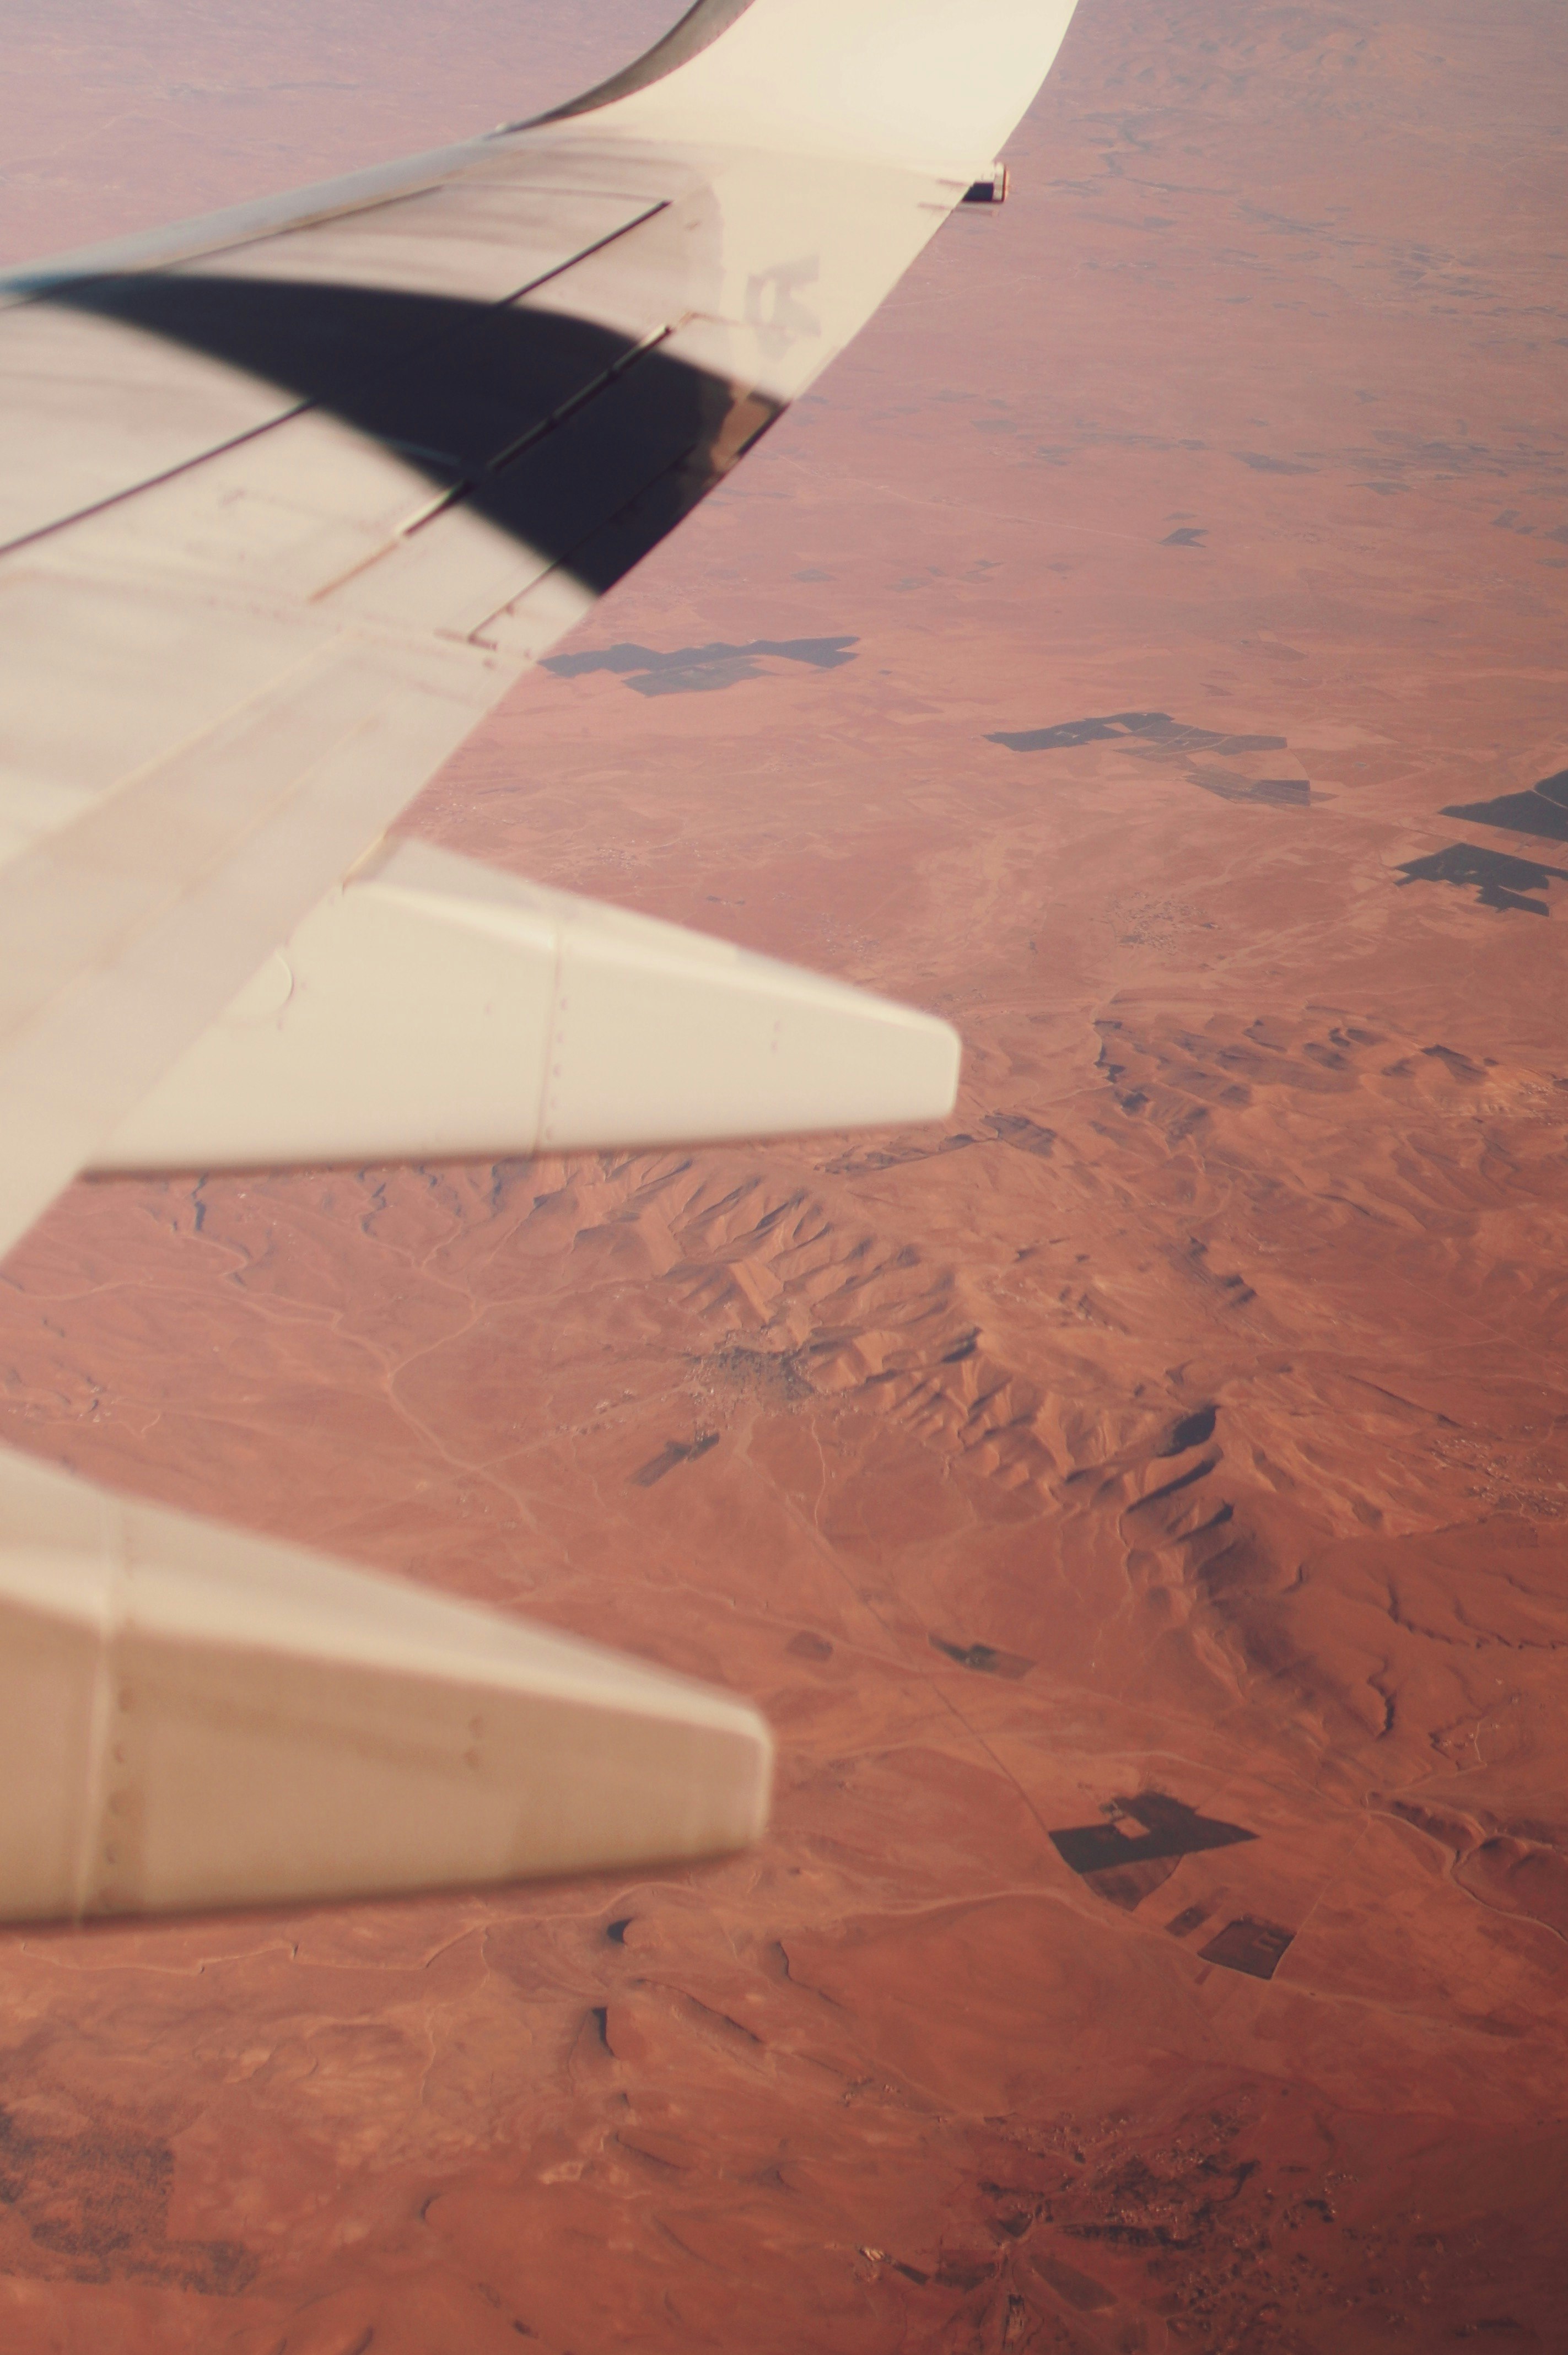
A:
(1140, 1506)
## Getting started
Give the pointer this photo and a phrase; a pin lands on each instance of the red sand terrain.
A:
(1141, 1509)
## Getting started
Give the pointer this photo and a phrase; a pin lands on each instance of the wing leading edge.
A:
(289, 499)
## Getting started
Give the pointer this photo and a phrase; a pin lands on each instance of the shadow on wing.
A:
(553, 427)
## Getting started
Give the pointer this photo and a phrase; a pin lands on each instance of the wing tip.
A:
(696, 31)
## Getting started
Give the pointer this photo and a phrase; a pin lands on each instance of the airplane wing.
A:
(289, 499)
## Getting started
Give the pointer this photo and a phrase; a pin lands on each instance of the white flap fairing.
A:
(434, 1007)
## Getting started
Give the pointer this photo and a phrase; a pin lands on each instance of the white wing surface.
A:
(289, 499)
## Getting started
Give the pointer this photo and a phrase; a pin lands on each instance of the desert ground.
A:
(1141, 1506)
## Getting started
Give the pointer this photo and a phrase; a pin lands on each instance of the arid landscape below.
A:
(1142, 1507)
